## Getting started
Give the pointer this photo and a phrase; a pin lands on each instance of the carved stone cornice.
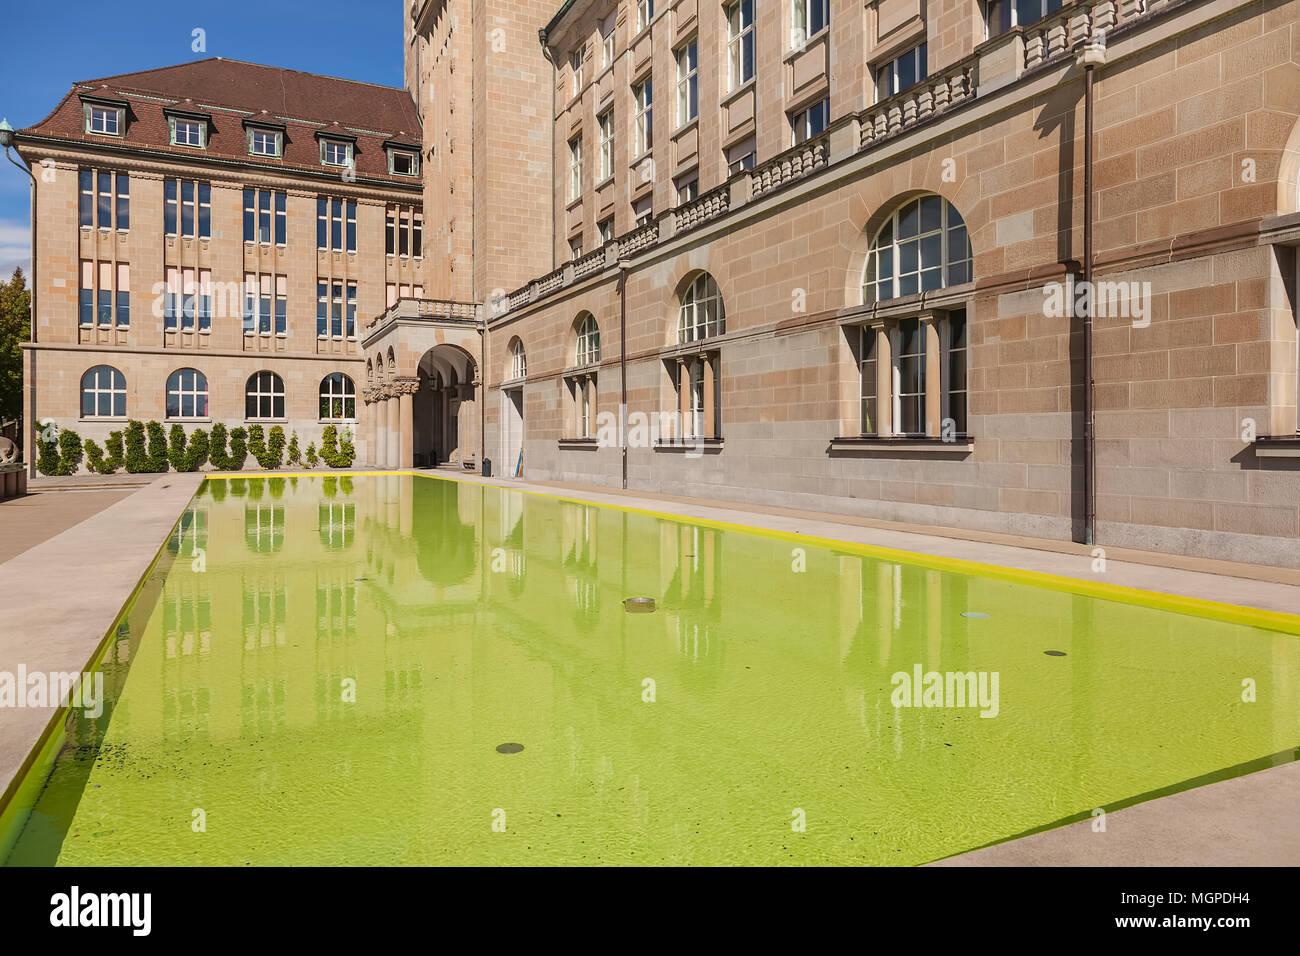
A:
(404, 386)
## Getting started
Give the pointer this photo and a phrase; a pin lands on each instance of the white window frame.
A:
(607, 42)
(408, 154)
(645, 12)
(801, 123)
(953, 270)
(92, 110)
(868, 369)
(198, 389)
(518, 361)
(578, 67)
(200, 129)
(605, 122)
(688, 81)
(702, 314)
(802, 13)
(896, 377)
(606, 229)
(111, 389)
(897, 82)
(327, 145)
(737, 30)
(643, 97)
(276, 138)
(575, 169)
(253, 389)
(587, 347)
(348, 392)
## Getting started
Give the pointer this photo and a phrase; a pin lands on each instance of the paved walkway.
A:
(39, 515)
(44, 630)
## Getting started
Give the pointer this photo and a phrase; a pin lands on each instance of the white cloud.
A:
(15, 247)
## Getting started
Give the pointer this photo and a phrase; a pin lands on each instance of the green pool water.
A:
(321, 670)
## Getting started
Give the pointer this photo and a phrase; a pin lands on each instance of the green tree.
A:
(15, 328)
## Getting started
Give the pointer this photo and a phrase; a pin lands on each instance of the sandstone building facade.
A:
(815, 253)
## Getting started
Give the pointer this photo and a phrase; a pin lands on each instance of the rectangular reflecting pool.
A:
(407, 669)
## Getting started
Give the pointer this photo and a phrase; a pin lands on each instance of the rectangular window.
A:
(740, 43)
(954, 380)
(336, 309)
(105, 120)
(335, 152)
(575, 168)
(203, 309)
(404, 236)
(123, 293)
(265, 216)
(901, 73)
(643, 94)
(186, 132)
(809, 18)
(607, 42)
(336, 225)
(104, 298)
(575, 248)
(742, 156)
(688, 189)
(606, 123)
(811, 122)
(577, 62)
(606, 229)
(187, 207)
(402, 162)
(265, 304)
(104, 199)
(645, 12)
(870, 425)
(696, 408)
(688, 83)
(262, 142)
(417, 235)
(909, 378)
(390, 233)
(87, 299)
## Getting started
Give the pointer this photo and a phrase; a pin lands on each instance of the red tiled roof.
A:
(302, 103)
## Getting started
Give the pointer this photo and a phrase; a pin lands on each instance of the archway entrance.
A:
(445, 411)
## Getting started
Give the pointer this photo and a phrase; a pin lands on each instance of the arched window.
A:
(701, 315)
(187, 394)
(103, 393)
(518, 360)
(923, 246)
(588, 350)
(338, 398)
(264, 396)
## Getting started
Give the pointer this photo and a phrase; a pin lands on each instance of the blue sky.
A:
(48, 46)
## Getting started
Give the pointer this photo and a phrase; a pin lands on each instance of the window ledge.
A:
(903, 444)
(180, 420)
(92, 419)
(589, 444)
(706, 446)
(1284, 446)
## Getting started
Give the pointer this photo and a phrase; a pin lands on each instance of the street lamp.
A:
(6, 134)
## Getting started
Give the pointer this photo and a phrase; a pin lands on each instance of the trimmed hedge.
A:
(60, 455)
(335, 452)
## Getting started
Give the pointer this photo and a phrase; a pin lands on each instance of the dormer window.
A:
(335, 152)
(104, 120)
(265, 142)
(189, 132)
(403, 162)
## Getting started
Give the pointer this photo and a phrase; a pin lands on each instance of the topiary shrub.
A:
(238, 448)
(135, 458)
(113, 448)
(268, 452)
(217, 454)
(70, 452)
(47, 456)
(294, 455)
(95, 459)
(312, 457)
(334, 453)
(274, 446)
(157, 454)
(187, 455)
